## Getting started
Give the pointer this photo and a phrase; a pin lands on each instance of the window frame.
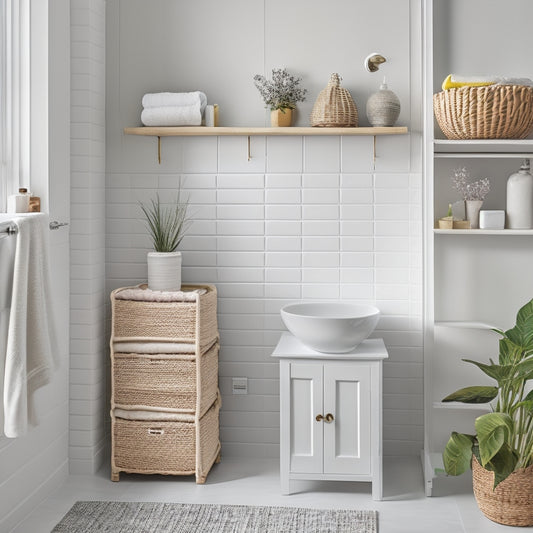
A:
(15, 64)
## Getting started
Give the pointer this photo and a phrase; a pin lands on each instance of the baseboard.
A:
(90, 466)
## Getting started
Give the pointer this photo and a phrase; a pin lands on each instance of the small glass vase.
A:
(472, 212)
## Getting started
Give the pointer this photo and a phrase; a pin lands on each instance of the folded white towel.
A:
(31, 344)
(169, 348)
(189, 115)
(497, 80)
(175, 99)
(142, 293)
(143, 413)
(457, 78)
(515, 81)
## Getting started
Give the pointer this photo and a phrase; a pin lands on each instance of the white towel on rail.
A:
(175, 99)
(187, 115)
(31, 342)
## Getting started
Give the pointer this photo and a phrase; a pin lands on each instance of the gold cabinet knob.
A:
(319, 418)
(329, 418)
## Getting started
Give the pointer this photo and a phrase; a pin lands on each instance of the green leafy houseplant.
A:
(282, 91)
(167, 225)
(503, 442)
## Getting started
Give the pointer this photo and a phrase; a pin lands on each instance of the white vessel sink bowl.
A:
(330, 327)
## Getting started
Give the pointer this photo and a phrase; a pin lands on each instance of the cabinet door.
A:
(305, 404)
(347, 437)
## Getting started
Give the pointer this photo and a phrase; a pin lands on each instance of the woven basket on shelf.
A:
(511, 503)
(492, 112)
(334, 107)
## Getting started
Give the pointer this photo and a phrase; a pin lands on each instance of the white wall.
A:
(87, 300)
(307, 217)
(34, 465)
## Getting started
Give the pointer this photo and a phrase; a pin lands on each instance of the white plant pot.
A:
(164, 271)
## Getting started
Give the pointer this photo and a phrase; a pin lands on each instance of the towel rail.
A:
(56, 225)
(11, 229)
(7, 231)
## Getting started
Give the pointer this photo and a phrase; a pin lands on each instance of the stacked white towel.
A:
(31, 350)
(173, 109)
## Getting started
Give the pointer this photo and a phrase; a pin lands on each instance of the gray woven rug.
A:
(134, 517)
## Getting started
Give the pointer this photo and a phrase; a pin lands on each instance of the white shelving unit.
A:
(475, 280)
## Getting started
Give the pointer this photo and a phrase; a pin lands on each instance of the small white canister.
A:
(491, 219)
(19, 203)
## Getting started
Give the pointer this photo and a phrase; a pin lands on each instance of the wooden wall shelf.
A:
(199, 131)
(204, 131)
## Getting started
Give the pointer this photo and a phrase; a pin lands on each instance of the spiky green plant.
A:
(167, 224)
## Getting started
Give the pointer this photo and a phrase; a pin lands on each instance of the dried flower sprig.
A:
(281, 91)
(470, 190)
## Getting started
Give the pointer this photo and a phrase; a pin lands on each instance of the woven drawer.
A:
(167, 321)
(165, 381)
(166, 447)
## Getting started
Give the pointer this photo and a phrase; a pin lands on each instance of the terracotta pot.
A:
(279, 118)
(512, 501)
(164, 271)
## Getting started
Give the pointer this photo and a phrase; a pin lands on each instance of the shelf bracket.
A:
(374, 152)
(249, 149)
(159, 149)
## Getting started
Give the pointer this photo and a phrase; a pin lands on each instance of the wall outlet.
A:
(240, 385)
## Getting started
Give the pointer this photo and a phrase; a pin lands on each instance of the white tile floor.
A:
(404, 509)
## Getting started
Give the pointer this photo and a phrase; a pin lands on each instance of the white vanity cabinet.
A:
(330, 413)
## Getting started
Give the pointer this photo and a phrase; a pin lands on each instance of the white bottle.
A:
(520, 198)
(19, 203)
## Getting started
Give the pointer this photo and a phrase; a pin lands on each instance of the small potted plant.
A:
(280, 94)
(167, 226)
(501, 451)
(447, 221)
(473, 193)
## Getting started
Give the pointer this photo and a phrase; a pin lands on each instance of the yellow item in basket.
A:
(454, 82)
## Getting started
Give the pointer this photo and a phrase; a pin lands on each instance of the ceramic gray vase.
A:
(472, 212)
(383, 107)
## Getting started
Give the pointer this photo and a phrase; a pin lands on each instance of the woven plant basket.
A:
(492, 112)
(167, 382)
(334, 107)
(512, 501)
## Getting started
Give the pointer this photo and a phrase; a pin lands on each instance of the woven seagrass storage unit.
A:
(164, 381)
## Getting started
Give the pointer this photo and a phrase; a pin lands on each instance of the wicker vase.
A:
(281, 118)
(511, 503)
(334, 107)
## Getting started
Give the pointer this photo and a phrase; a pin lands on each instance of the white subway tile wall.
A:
(305, 218)
(88, 368)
